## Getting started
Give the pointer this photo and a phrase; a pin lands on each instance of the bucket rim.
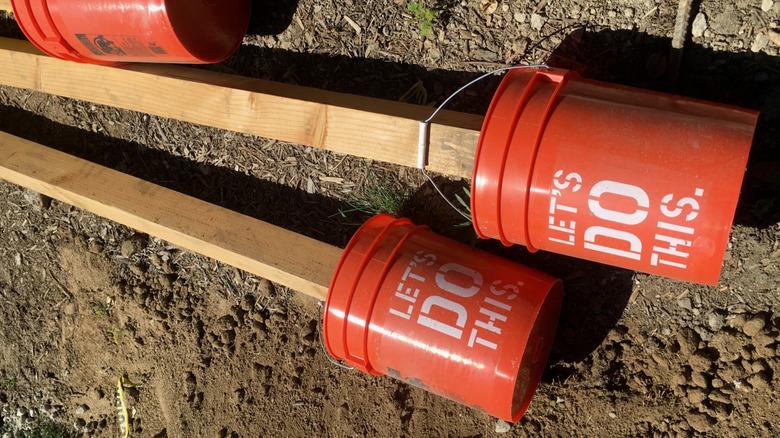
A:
(56, 46)
(352, 274)
(498, 135)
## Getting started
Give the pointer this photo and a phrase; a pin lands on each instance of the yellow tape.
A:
(121, 409)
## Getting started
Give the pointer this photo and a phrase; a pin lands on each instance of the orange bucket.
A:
(440, 315)
(617, 175)
(109, 31)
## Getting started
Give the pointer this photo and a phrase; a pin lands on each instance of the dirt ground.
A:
(218, 352)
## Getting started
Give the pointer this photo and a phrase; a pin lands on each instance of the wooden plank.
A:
(5, 5)
(279, 255)
(355, 125)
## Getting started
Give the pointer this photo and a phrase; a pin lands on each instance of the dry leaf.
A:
(488, 6)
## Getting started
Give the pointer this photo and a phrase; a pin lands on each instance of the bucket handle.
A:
(424, 133)
(331, 359)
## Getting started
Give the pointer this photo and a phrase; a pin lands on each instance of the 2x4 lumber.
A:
(279, 255)
(378, 129)
(5, 5)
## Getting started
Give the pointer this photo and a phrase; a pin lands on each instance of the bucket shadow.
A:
(595, 295)
(362, 76)
(308, 214)
(271, 17)
(8, 26)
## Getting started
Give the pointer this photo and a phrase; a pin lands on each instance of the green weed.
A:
(115, 334)
(465, 205)
(100, 309)
(49, 429)
(378, 198)
(8, 383)
(423, 14)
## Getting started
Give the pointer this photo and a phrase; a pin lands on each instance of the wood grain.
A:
(5, 5)
(366, 127)
(268, 251)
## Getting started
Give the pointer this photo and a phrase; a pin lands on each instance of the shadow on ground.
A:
(287, 207)
(271, 17)
(596, 295)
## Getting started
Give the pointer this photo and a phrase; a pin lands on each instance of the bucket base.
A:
(106, 32)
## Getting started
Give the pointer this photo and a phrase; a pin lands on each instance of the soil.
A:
(215, 351)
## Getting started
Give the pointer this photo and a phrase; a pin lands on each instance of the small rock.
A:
(80, 409)
(685, 303)
(138, 270)
(700, 380)
(165, 281)
(719, 410)
(94, 246)
(696, 395)
(133, 244)
(766, 5)
(717, 383)
(705, 334)
(699, 362)
(228, 337)
(537, 22)
(728, 345)
(519, 17)
(759, 381)
(502, 426)
(727, 374)
(762, 340)
(699, 25)
(688, 340)
(628, 12)
(763, 352)
(774, 37)
(715, 322)
(699, 422)
(719, 396)
(759, 366)
(759, 42)
(752, 326)
(736, 321)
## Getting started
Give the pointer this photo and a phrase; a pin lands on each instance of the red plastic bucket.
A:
(109, 31)
(456, 321)
(622, 176)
